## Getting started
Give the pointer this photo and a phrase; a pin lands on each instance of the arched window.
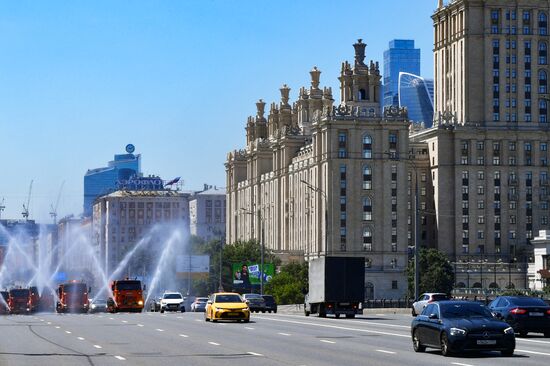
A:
(461, 285)
(543, 53)
(543, 24)
(367, 177)
(543, 111)
(367, 239)
(477, 285)
(543, 82)
(367, 147)
(362, 94)
(367, 209)
(493, 285)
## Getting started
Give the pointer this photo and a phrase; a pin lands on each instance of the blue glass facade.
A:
(100, 181)
(400, 57)
(417, 94)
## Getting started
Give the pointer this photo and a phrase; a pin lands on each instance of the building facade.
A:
(488, 147)
(101, 181)
(417, 95)
(123, 219)
(207, 212)
(400, 57)
(322, 179)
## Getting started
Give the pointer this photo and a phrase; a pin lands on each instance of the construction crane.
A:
(53, 209)
(25, 212)
(2, 206)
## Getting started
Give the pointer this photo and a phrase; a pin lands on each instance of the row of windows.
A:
(512, 205)
(512, 219)
(367, 145)
(124, 205)
(512, 146)
(496, 161)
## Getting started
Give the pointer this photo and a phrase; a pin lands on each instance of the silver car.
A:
(423, 300)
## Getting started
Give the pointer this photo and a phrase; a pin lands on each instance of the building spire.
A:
(315, 74)
(440, 4)
(359, 52)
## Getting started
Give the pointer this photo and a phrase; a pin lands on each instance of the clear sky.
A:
(81, 79)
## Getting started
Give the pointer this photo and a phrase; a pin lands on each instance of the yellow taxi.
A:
(226, 306)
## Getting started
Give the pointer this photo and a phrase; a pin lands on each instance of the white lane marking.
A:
(140, 325)
(533, 352)
(97, 346)
(120, 358)
(284, 334)
(180, 317)
(326, 341)
(125, 321)
(250, 328)
(80, 338)
(214, 343)
(460, 364)
(49, 323)
(112, 318)
(380, 314)
(338, 327)
(160, 330)
(389, 325)
(41, 320)
(57, 327)
(184, 335)
(198, 320)
(384, 351)
(68, 332)
(531, 341)
(254, 354)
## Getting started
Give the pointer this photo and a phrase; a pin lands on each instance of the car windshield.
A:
(439, 297)
(100, 302)
(472, 310)
(201, 299)
(19, 293)
(128, 285)
(75, 287)
(268, 298)
(527, 301)
(228, 298)
(172, 296)
(252, 296)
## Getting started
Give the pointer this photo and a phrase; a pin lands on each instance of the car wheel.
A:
(337, 316)
(214, 320)
(417, 346)
(508, 352)
(275, 311)
(413, 312)
(445, 351)
(162, 311)
(246, 320)
(263, 311)
(523, 333)
(306, 313)
(547, 334)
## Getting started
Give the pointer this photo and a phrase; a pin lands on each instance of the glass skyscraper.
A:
(400, 57)
(417, 94)
(101, 181)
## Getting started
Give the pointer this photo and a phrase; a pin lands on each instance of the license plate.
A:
(486, 341)
(233, 314)
(344, 303)
(536, 314)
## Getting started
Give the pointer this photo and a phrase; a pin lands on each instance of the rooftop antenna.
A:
(25, 212)
(53, 209)
(2, 206)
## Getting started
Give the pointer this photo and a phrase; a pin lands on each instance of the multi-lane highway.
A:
(269, 339)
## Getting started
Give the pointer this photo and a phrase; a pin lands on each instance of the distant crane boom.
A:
(53, 211)
(25, 212)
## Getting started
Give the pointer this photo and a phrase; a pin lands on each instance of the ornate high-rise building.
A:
(488, 149)
(322, 179)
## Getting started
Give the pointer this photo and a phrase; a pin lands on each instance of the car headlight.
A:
(457, 331)
(140, 302)
(93, 306)
(509, 330)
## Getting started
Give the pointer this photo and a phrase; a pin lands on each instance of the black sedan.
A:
(524, 314)
(457, 326)
(270, 303)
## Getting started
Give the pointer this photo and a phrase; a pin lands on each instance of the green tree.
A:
(288, 286)
(436, 272)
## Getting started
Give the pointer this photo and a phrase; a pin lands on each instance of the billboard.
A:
(192, 263)
(247, 274)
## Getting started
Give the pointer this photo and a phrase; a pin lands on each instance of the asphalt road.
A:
(269, 339)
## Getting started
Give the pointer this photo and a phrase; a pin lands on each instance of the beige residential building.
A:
(488, 148)
(311, 159)
(122, 218)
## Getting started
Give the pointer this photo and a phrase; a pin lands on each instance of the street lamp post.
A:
(262, 247)
(323, 193)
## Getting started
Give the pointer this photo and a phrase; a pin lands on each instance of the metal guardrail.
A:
(387, 303)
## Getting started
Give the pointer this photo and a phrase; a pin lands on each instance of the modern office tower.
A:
(322, 179)
(400, 57)
(416, 94)
(100, 181)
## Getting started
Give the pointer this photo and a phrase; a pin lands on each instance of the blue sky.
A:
(81, 79)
